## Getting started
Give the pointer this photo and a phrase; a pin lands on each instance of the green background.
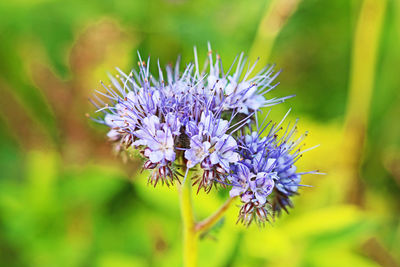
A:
(67, 200)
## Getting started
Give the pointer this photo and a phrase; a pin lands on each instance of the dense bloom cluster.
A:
(204, 121)
(267, 169)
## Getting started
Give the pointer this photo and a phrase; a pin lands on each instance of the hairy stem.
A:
(210, 221)
(189, 234)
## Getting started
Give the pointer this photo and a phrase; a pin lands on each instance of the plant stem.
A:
(210, 221)
(189, 234)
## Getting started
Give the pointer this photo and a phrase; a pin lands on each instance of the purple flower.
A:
(181, 119)
(173, 123)
(271, 160)
(255, 182)
(158, 146)
(262, 185)
(288, 152)
(240, 182)
(288, 179)
(147, 132)
(239, 90)
(224, 152)
(161, 147)
(253, 189)
(213, 148)
(198, 151)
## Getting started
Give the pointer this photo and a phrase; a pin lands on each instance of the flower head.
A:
(266, 178)
(199, 120)
(254, 178)
(213, 148)
(289, 151)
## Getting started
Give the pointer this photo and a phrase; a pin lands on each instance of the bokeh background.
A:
(67, 200)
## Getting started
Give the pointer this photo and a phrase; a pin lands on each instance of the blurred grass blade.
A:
(362, 77)
(275, 17)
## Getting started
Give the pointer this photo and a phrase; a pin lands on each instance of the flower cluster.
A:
(266, 177)
(203, 120)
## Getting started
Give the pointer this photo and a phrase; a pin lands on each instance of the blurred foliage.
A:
(66, 200)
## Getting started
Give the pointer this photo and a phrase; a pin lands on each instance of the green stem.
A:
(210, 221)
(189, 234)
